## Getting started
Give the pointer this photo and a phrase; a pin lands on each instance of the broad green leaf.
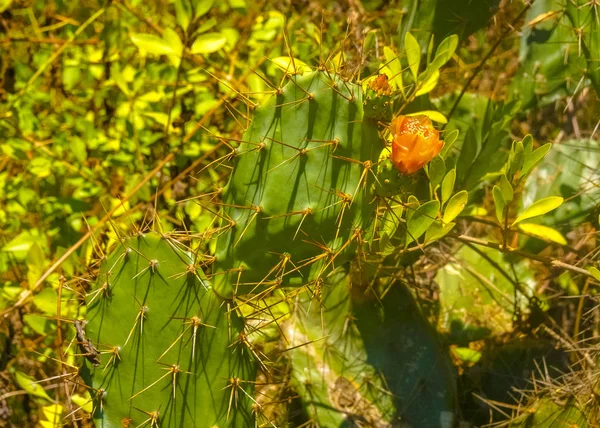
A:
(499, 203)
(152, 44)
(429, 84)
(84, 401)
(455, 206)
(534, 158)
(208, 43)
(507, 190)
(540, 207)
(4, 4)
(448, 185)
(437, 170)
(544, 232)
(437, 231)
(468, 153)
(38, 323)
(449, 140)
(595, 272)
(28, 384)
(518, 157)
(53, 415)
(172, 38)
(421, 219)
(413, 54)
(201, 7)
(291, 67)
(392, 68)
(436, 116)
(183, 12)
(467, 355)
(445, 50)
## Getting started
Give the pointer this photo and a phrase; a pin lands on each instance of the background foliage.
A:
(115, 115)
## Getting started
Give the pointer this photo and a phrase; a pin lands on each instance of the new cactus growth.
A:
(170, 348)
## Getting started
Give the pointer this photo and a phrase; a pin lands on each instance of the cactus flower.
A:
(415, 143)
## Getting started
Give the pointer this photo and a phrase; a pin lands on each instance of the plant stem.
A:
(549, 261)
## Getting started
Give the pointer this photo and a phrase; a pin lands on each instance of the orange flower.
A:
(415, 143)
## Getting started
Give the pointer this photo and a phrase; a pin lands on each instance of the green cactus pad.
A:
(169, 346)
(376, 363)
(301, 190)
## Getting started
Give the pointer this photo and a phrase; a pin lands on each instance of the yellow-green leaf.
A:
(84, 401)
(392, 68)
(499, 203)
(208, 43)
(418, 223)
(429, 84)
(448, 185)
(540, 207)
(595, 273)
(28, 384)
(413, 54)
(436, 116)
(288, 66)
(152, 44)
(455, 206)
(543, 232)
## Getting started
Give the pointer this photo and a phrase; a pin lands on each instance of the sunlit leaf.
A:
(543, 232)
(413, 54)
(152, 44)
(208, 43)
(448, 185)
(421, 219)
(540, 207)
(436, 116)
(429, 84)
(455, 206)
(30, 386)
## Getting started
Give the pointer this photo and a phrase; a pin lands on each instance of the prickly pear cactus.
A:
(171, 353)
(372, 362)
(300, 195)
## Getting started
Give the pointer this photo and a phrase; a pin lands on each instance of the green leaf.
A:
(208, 43)
(518, 157)
(152, 44)
(534, 158)
(468, 152)
(84, 401)
(183, 13)
(4, 4)
(500, 203)
(445, 51)
(595, 273)
(171, 37)
(543, 232)
(28, 384)
(421, 219)
(291, 67)
(413, 54)
(437, 231)
(540, 207)
(467, 355)
(507, 190)
(393, 68)
(201, 7)
(449, 141)
(437, 170)
(455, 206)
(430, 82)
(436, 116)
(448, 185)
